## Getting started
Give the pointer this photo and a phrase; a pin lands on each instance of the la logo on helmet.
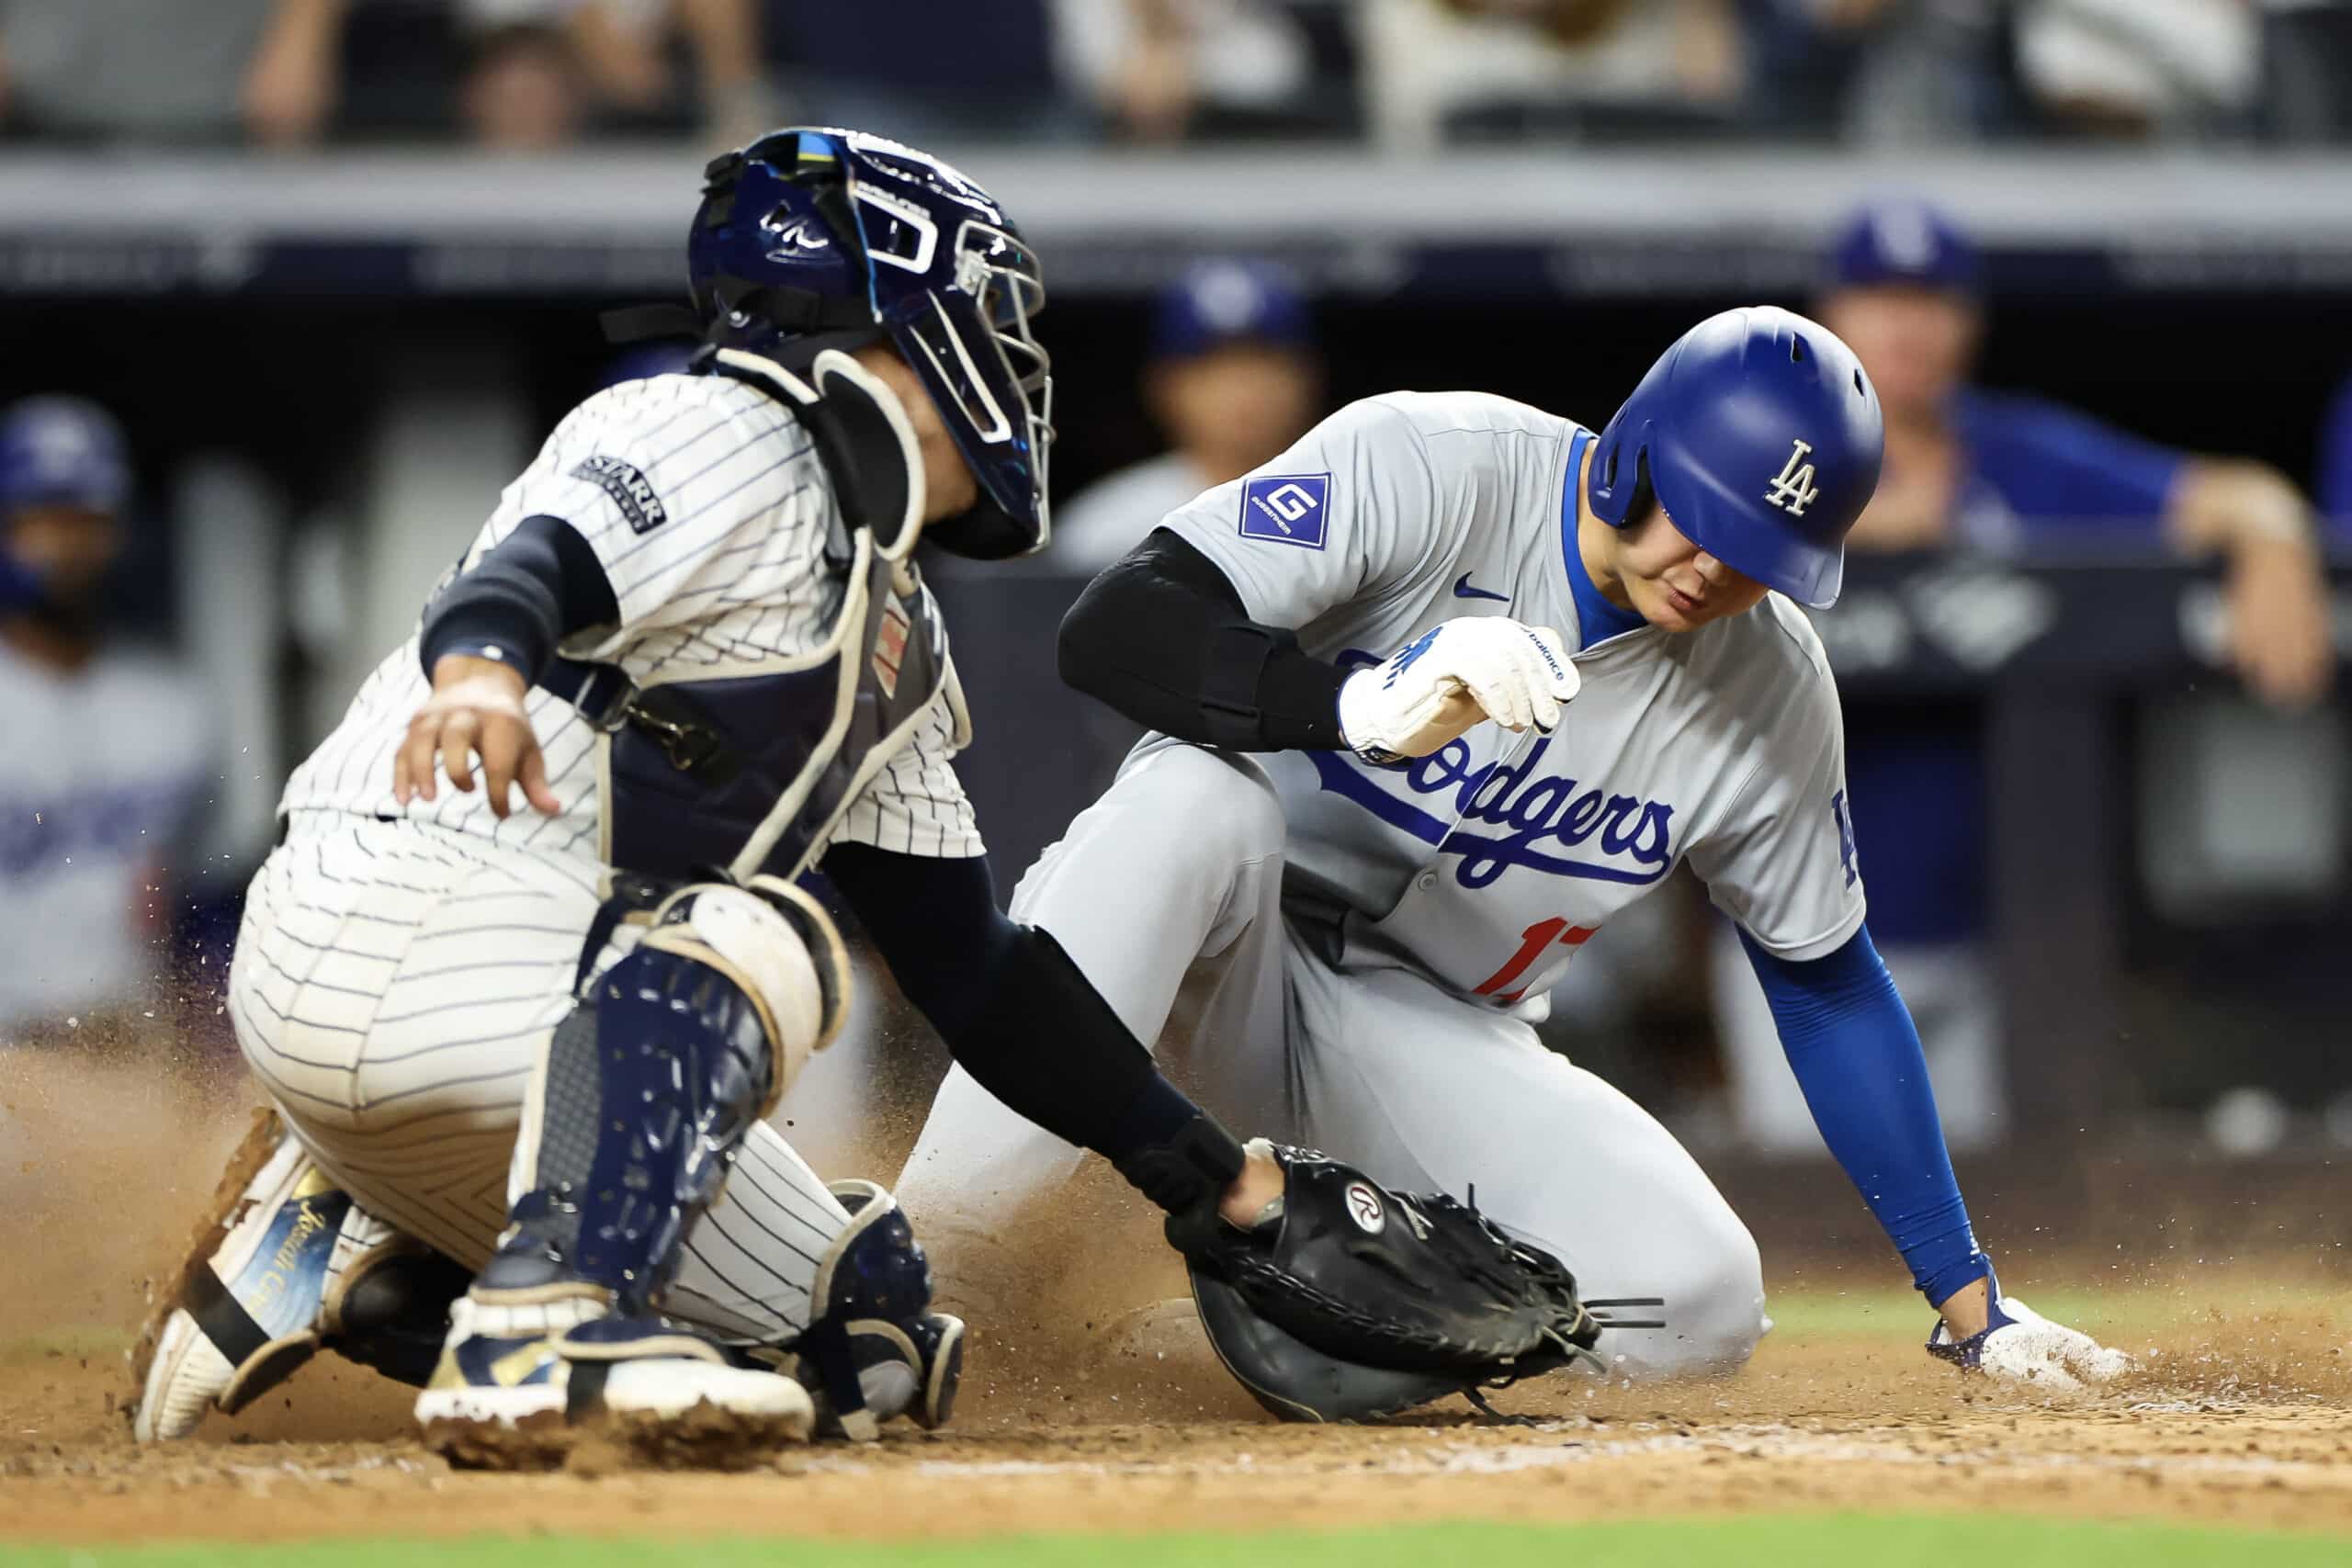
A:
(1794, 489)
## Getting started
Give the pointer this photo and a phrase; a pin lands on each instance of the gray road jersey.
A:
(1486, 865)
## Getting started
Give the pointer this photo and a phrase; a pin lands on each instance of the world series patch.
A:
(630, 489)
(1287, 508)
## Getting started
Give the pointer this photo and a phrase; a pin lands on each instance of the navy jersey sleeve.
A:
(2059, 467)
(2333, 485)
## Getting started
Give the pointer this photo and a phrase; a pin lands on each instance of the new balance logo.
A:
(1794, 489)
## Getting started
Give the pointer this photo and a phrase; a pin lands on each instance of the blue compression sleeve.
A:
(1857, 1057)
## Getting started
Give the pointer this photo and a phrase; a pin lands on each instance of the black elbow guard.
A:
(1162, 637)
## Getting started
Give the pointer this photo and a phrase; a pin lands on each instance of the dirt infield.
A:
(2243, 1413)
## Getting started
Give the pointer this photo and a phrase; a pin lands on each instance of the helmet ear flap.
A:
(1604, 482)
(1638, 505)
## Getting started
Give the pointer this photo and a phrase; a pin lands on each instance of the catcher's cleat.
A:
(522, 1379)
(285, 1263)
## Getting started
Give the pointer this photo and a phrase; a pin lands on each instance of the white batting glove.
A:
(2020, 1346)
(1453, 678)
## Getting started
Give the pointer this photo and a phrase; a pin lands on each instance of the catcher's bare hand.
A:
(475, 711)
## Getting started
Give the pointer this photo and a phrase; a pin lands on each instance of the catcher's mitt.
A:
(1352, 1301)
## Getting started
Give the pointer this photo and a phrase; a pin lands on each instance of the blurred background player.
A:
(1974, 472)
(1233, 378)
(107, 760)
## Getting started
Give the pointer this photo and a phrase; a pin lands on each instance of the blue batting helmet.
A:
(1759, 435)
(58, 451)
(816, 238)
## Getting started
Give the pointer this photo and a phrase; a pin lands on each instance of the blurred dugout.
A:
(1975, 473)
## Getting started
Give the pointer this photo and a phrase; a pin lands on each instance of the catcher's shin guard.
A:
(649, 1088)
(286, 1264)
(652, 1084)
(876, 1351)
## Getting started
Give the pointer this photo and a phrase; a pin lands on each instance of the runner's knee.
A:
(1223, 809)
(1713, 1307)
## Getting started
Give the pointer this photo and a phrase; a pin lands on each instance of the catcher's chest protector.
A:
(751, 769)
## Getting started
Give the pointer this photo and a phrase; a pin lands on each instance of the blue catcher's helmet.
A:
(59, 451)
(1759, 435)
(811, 239)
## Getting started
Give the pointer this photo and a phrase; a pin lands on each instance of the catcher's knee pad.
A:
(875, 1349)
(652, 1081)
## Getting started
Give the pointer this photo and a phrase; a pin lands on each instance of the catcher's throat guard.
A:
(1355, 1301)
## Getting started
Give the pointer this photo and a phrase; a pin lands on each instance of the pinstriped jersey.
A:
(708, 508)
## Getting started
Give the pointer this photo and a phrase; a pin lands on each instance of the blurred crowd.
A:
(1403, 74)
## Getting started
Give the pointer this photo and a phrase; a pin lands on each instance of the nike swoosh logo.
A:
(1462, 590)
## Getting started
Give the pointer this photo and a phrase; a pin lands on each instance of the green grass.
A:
(1784, 1540)
(2128, 1310)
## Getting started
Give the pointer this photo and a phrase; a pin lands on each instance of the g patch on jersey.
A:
(1290, 509)
(630, 489)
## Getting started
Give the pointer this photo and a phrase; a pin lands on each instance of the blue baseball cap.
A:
(58, 451)
(1218, 302)
(1904, 242)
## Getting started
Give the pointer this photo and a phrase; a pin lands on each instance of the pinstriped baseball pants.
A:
(394, 988)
